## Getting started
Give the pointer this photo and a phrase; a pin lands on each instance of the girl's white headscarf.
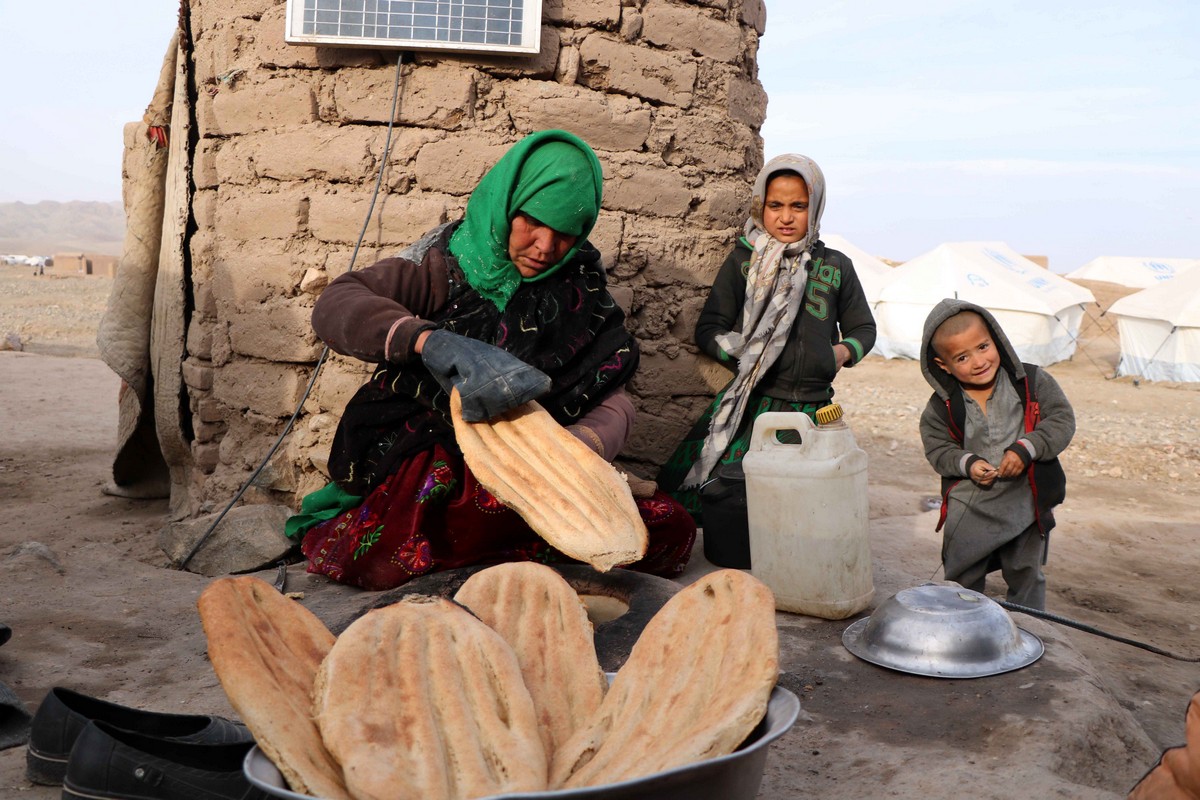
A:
(775, 282)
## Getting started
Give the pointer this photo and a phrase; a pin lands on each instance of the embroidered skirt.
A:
(680, 463)
(432, 515)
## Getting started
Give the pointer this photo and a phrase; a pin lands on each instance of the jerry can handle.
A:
(767, 424)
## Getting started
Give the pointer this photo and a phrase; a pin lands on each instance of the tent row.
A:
(1041, 311)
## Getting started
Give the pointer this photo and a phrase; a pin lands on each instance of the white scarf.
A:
(775, 284)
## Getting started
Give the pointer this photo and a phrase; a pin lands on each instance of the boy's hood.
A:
(942, 381)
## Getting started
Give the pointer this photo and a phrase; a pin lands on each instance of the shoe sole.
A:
(74, 794)
(43, 769)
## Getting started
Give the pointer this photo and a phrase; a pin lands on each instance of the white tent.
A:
(1160, 330)
(1039, 310)
(1136, 273)
(872, 273)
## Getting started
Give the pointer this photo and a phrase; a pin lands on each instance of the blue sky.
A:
(1068, 129)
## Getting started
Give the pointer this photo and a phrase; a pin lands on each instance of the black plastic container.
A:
(723, 510)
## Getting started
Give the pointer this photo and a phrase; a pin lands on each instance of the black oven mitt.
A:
(489, 380)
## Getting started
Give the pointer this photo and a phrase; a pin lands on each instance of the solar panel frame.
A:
(491, 26)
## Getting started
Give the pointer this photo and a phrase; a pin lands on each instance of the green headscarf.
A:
(554, 177)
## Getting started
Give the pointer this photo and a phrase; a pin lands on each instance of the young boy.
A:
(1000, 425)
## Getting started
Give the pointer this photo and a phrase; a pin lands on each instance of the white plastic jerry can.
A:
(809, 514)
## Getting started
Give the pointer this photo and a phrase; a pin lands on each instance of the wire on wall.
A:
(287, 428)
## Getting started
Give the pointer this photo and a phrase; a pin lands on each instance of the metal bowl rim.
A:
(784, 704)
(1030, 650)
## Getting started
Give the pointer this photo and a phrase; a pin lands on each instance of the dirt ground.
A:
(93, 606)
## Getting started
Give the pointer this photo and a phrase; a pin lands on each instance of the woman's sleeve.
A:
(606, 427)
(375, 314)
(722, 310)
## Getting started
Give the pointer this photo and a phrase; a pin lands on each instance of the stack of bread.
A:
(427, 699)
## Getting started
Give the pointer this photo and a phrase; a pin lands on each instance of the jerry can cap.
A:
(829, 414)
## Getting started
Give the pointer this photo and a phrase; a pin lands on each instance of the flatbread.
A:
(570, 496)
(420, 699)
(536, 611)
(266, 650)
(694, 687)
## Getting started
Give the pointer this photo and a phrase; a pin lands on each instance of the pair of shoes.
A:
(64, 714)
(109, 763)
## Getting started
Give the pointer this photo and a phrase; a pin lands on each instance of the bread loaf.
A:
(570, 496)
(420, 699)
(696, 683)
(266, 650)
(536, 611)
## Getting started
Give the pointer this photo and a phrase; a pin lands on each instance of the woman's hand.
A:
(420, 343)
(489, 380)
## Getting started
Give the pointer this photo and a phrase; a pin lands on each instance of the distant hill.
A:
(49, 227)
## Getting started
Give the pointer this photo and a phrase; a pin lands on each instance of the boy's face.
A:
(785, 209)
(970, 356)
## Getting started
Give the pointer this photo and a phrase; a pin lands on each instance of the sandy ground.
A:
(93, 606)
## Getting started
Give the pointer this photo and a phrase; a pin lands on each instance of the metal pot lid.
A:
(942, 631)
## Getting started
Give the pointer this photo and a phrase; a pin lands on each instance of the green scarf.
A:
(554, 177)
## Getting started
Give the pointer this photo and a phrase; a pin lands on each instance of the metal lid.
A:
(942, 631)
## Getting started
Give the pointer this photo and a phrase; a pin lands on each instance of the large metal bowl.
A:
(943, 632)
(733, 777)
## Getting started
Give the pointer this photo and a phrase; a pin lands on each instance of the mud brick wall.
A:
(286, 152)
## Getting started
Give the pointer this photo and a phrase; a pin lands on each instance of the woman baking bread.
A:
(508, 304)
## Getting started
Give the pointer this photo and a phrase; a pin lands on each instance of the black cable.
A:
(1033, 612)
(387, 145)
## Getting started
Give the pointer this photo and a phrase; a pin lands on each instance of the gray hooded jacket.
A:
(978, 520)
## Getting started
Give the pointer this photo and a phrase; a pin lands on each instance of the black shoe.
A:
(64, 714)
(109, 763)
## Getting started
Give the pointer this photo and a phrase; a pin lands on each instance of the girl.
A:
(785, 313)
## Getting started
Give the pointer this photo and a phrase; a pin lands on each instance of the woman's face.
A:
(785, 209)
(534, 246)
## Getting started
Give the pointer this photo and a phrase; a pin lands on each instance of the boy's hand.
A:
(983, 473)
(1011, 465)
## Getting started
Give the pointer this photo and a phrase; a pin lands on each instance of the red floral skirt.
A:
(432, 515)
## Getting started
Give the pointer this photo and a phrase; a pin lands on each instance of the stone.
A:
(247, 539)
(688, 28)
(644, 190)
(247, 215)
(274, 103)
(454, 165)
(280, 330)
(609, 64)
(604, 121)
(197, 374)
(434, 96)
(314, 281)
(263, 387)
(398, 220)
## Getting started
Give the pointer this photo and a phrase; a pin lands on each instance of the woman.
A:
(508, 304)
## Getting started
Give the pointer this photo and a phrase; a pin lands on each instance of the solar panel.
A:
(505, 26)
